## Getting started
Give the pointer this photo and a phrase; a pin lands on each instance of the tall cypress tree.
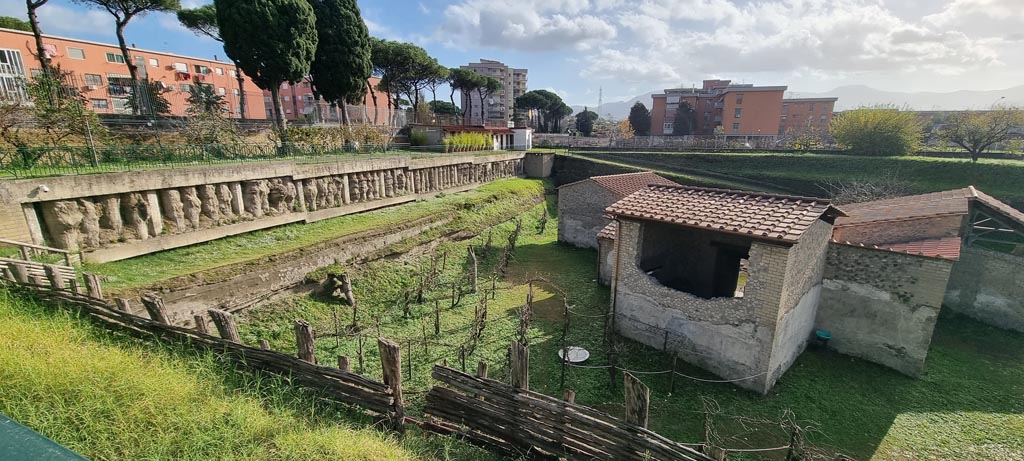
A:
(640, 119)
(273, 41)
(342, 62)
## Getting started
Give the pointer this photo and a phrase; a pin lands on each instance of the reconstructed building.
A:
(727, 280)
(100, 74)
(497, 107)
(740, 110)
(581, 204)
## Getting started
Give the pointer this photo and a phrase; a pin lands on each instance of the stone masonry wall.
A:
(801, 291)
(988, 286)
(581, 212)
(731, 337)
(119, 215)
(903, 231)
(882, 306)
(605, 261)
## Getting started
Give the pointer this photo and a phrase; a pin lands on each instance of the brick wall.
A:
(902, 231)
(882, 306)
(581, 212)
(988, 286)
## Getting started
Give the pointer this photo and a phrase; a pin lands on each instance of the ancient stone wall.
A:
(581, 212)
(902, 231)
(882, 306)
(120, 215)
(988, 286)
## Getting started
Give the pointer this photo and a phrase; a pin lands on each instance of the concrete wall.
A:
(121, 215)
(882, 306)
(801, 293)
(732, 337)
(581, 212)
(538, 165)
(902, 231)
(605, 261)
(988, 286)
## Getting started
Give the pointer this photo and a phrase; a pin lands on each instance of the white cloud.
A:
(58, 19)
(529, 25)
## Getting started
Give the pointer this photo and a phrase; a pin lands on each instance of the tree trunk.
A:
(373, 95)
(44, 60)
(275, 96)
(483, 105)
(467, 112)
(452, 97)
(241, 90)
(133, 70)
(344, 114)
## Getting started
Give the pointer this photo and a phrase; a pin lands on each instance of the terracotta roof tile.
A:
(627, 183)
(951, 202)
(609, 232)
(763, 216)
(944, 248)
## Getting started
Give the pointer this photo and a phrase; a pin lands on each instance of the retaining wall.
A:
(988, 286)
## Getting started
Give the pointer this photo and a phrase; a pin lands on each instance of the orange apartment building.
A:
(101, 75)
(741, 110)
(801, 113)
(299, 103)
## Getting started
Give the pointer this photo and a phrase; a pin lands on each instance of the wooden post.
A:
(346, 288)
(20, 272)
(154, 304)
(123, 305)
(92, 286)
(462, 357)
(264, 344)
(569, 395)
(672, 379)
(359, 341)
(638, 398)
(519, 358)
(25, 254)
(391, 365)
(472, 268)
(225, 323)
(54, 277)
(437, 318)
(565, 339)
(7, 274)
(343, 364)
(481, 369)
(408, 360)
(200, 321)
(304, 341)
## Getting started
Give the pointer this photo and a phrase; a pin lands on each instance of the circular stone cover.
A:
(576, 354)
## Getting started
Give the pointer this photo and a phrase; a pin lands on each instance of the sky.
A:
(627, 48)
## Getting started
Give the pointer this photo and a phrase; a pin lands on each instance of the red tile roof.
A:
(944, 248)
(609, 232)
(946, 203)
(475, 128)
(626, 183)
(772, 217)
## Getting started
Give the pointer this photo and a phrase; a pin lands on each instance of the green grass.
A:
(967, 405)
(149, 269)
(109, 397)
(806, 173)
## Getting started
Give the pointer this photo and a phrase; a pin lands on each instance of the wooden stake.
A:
(672, 381)
(462, 357)
(264, 344)
(92, 286)
(359, 340)
(304, 341)
(200, 322)
(472, 268)
(226, 326)
(519, 358)
(638, 399)
(54, 277)
(391, 365)
(20, 272)
(569, 395)
(154, 304)
(481, 369)
(437, 318)
(123, 305)
(343, 364)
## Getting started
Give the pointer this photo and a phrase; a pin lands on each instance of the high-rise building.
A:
(728, 109)
(497, 107)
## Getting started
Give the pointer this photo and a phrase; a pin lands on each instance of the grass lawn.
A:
(966, 407)
(111, 398)
(255, 246)
(807, 173)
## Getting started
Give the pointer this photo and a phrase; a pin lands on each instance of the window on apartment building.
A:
(201, 69)
(181, 67)
(222, 91)
(235, 91)
(233, 74)
(810, 107)
(707, 116)
(93, 79)
(115, 58)
(284, 86)
(154, 62)
(35, 72)
(822, 119)
(100, 104)
(783, 118)
(667, 128)
(266, 100)
(739, 99)
(218, 70)
(185, 87)
(305, 84)
(287, 111)
(287, 98)
(737, 112)
(270, 113)
(735, 127)
(76, 53)
(785, 108)
(121, 105)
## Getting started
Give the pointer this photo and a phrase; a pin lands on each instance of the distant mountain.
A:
(853, 96)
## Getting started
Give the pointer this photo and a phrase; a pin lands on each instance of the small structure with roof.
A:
(894, 263)
(581, 204)
(728, 280)
(502, 138)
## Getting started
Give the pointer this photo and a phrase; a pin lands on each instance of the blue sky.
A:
(574, 47)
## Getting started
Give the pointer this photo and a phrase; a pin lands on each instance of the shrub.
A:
(418, 138)
(878, 131)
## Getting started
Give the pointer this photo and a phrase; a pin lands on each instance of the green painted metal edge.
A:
(19, 443)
